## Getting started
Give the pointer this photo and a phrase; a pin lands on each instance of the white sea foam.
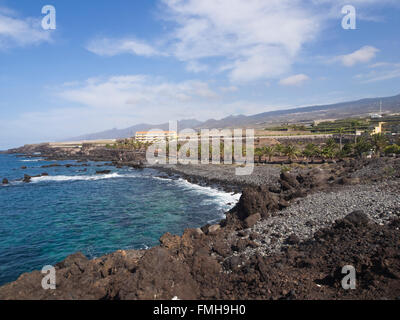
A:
(225, 200)
(80, 178)
(31, 160)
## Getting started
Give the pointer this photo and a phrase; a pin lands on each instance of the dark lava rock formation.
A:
(103, 172)
(200, 266)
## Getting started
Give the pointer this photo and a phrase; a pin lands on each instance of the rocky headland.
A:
(82, 153)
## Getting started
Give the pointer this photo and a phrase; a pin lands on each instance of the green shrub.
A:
(394, 148)
(285, 169)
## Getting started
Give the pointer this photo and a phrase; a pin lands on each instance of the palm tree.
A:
(341, 133)
(330, 143)
(279, 149)
(291, 152)
(270, 152)
(362, 145)
(329, 151)
(258, 153)
(348, 149)
(379, 142)
(354, 125)
(310, 151)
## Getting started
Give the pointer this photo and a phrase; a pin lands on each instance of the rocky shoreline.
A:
(287, 238)
(223, 176)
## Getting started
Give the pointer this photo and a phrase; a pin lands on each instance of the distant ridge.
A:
(131, 131)
(341, 110)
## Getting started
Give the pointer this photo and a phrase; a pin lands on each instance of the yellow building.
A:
(153, 136)
(378, 129)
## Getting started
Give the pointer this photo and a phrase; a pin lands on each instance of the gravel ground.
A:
(382, 167)
(380, 201)
(262, 175)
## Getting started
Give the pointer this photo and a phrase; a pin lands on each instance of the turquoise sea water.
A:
(73, 210)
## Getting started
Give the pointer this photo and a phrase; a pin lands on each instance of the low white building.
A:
(152, 136)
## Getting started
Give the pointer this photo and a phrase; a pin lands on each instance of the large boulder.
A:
(315, 178)
(289, 179)
(357, 218)
(252, 220)
(256, 200)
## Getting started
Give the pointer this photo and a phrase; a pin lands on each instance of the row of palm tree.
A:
(376, 143)
(291, 151)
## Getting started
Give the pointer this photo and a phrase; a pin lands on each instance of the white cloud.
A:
(379, 65)
(146, 98)
(195, 66)
(295, 80)
(20, 31)
(229, 89)
(112, 47)
(363, 55)
(122, 101)
(257, 39)
(380, 72)
(249, 40)
(119, 101)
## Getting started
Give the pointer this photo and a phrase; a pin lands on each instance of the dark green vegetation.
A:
(364, 145)
(391, 124)
(129, 144)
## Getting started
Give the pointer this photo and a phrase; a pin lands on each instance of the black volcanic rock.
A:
(256, 200)
(51, 165)
(192, 267)
(103, 172)
(357, 218)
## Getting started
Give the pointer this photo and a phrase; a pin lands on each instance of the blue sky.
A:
(118, 63)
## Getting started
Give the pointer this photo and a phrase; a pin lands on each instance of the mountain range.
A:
(359, 108)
